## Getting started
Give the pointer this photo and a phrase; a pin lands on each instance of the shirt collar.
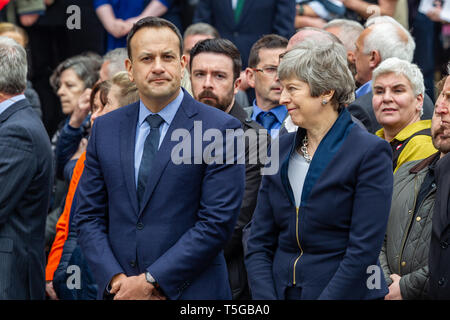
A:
(364, 89)
(9, 102)
(279, 111)
(167, 113)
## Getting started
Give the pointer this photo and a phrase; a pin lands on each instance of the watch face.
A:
(149, 278)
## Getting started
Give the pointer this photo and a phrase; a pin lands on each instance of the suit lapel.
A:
(325, 152)
(182, 120)
(227, 9)
(127, 147)
(247, 8)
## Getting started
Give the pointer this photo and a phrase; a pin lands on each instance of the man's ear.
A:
(237, 84)
(250, 74)
(183, 63)
(375, 59)
(129, 67)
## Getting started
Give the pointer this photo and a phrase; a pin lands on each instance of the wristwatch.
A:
(151, 280)
(300, 10)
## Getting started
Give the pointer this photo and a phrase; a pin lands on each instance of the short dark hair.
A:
(220, 46)
(270, 41)
(153, 22)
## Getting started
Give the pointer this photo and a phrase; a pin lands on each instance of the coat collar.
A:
(325, 152)
(431, 160)
(21, 104)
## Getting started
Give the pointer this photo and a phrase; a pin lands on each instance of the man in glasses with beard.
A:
(215, 66)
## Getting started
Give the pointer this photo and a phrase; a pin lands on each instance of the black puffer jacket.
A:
(406, 245)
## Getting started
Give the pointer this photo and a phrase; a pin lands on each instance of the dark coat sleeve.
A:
(262, 244)
(371, 205)
(91, 218)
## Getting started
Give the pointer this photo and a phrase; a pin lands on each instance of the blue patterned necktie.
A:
(150, 148)
(267, 119)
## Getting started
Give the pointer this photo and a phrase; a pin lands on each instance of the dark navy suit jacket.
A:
(258, 17)
(26, 177)
(326, 247)
(187, 214)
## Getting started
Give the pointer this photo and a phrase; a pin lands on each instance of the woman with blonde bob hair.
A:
(320, 220)
(398, 92)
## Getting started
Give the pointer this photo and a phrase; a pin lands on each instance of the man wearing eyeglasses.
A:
(262, 76)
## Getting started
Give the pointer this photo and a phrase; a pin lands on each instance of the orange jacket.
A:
(62, 226)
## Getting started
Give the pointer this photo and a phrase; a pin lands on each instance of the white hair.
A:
(349, 31)
(389, 38)
(13, 66)
(401, 67)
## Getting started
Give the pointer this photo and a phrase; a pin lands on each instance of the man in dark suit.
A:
(215, 68)
(245, 21)
(154, 213)
(383, 38)
(25, 182)
(439, 259)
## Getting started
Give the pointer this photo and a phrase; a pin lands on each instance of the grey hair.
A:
(116, 60)
(201, 28)
(389, 38)
(349, 31)
(402, 67)
(323, 66)
(86, 67)
(13, 66)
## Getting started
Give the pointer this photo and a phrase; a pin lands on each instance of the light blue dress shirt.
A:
(9, 102)
(364, 89)
(143, 128)
(280, 113)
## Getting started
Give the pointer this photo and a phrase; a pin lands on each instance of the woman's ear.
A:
(327, 96)
(419, 99)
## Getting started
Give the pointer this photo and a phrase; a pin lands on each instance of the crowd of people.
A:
(239, 149)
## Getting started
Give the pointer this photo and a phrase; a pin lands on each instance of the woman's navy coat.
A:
(329, 247)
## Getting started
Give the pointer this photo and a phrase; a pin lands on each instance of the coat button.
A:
(409, 211)
(140, 226)
(444, 245)
(403, 263)
(441, 282)
(418, 219)
(133, 264)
